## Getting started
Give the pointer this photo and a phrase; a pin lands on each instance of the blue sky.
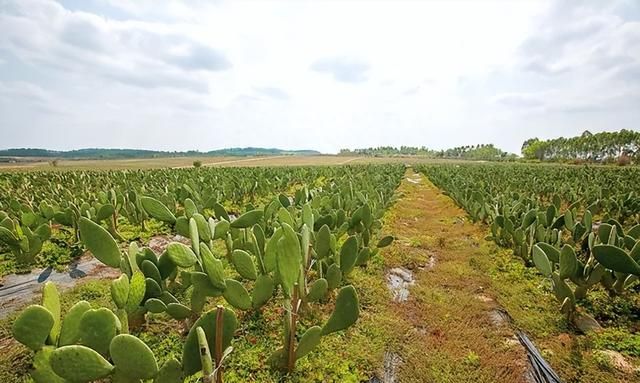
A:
(182, 75)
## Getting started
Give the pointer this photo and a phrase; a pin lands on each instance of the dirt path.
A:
(347, 161)
(231, 161)
(448, 326)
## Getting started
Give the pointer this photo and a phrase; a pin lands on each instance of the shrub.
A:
(623, 160)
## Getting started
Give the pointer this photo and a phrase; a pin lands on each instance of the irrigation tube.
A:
(541, 371)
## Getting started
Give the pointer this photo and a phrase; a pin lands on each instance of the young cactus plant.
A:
(288, 252)
(212, 331)
(24, 242)
(212, 370)
(345, 314)
(78, 347)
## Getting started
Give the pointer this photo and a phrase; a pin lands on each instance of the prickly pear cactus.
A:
(288, 259)
(247, 219)
(262, 291)
(310, 340)
(99, 242)
(132, 357)
(213, 267)
(33, 326)
(171, 372)
(157, 210)
(120, 291)
(51, 301)
(236, 295)
(318, 290)
(79, 364)
(345, 313)
(181, 255)
(243, 263)
(191, 353)
(42, 371)
(348, 255)
(97, 328)
(616, 259)
(70, 333)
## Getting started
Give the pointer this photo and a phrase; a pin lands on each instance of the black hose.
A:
(540, 369)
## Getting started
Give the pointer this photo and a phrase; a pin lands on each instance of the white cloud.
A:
(342, 69)
(272, 92)
(172, 74)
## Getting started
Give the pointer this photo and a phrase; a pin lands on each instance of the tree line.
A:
(618, 146)
(471, 152)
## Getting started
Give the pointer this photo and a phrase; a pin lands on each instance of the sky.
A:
(323, 75)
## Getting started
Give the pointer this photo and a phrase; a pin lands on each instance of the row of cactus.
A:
(61, 199)
(90, 344)
(559, 237)
(613, 262)
(294, 250)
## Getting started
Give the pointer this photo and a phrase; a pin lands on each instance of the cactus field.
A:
(274, 274)
(580, 227)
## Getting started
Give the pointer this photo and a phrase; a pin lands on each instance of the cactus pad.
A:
(99, 242)
(181, 255)
(69, 333)
(33, 326)
(243, 263)
(133, 357)
(345, 313)
(236, 295)
(79, 364)
(191, 353)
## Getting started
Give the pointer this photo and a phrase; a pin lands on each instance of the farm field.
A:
(344, 273)
(187, 162)
(272, 191)
(36, 164)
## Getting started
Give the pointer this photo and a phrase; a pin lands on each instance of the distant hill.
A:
(138, 153)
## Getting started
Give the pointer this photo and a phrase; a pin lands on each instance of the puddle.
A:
(431, 263)
(586, 324)
(390, 374)
(20, 289)
(484, 298)
(399, 280)
(618, 361)
(499, 318)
